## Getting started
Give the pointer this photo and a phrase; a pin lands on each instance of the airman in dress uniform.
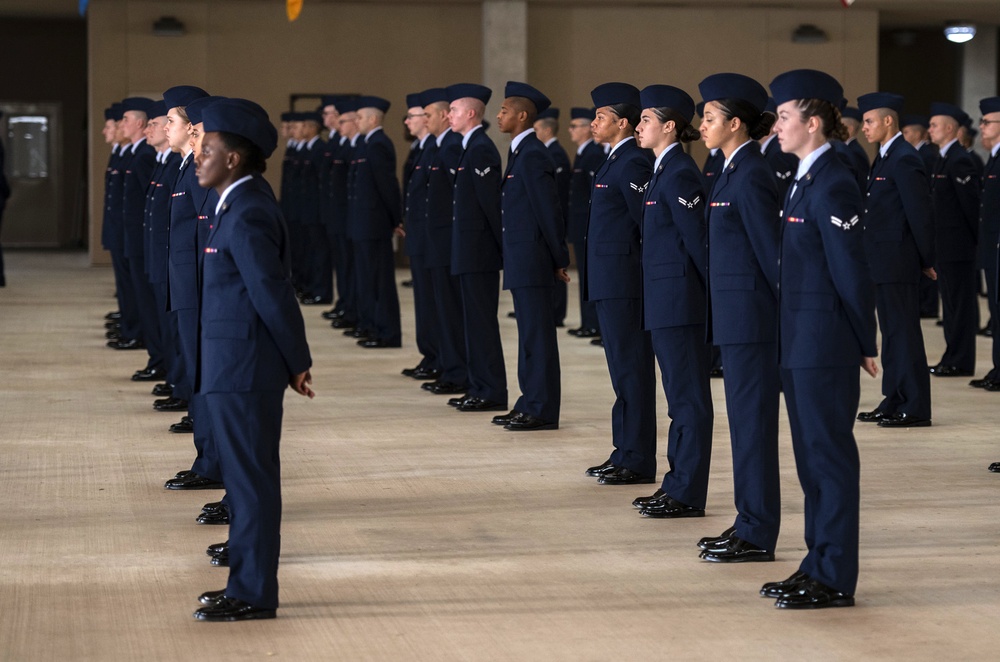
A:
(547, 129)
(989, 231)
(587, 161)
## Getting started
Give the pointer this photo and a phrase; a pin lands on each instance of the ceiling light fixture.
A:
(959, 32)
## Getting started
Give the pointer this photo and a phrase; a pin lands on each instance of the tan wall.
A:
(247, 48)
(574, 49)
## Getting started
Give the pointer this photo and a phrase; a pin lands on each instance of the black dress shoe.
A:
(715, 373)
(193, 482)
(504, 419)
(446, 388)
(904, 421)
(313, 301)
(623, 476)
(457, 402)
(356, 333)
(113, 324)
(814, 595)
(214, 518)
(148, 374)
(478, 404)
(714, 541)
(221, 560)
(670, 508)
(873, 416)
(112, 334)
(585, 333)
(218, 548)
(992, 387)
(215, 507)
(212, 598)
(597, 341)
(185, 426)
(171, 404)
(122, 343)
(640, 502)
(600, 469)
(426, 374)
(529, 423)
(737, 551)
(512, 315)
(376, 343)
(343, 323)
(184, 474)
(231, 610)
(785, 586)
(332, 314)
(981, 383)
(995, 467)
(986, 331)
(113, 315)
(949, 371)
(163, 390)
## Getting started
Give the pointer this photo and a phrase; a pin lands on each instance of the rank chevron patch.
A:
(690, 205)
(636, 187)
(844, 225)
(483, 173)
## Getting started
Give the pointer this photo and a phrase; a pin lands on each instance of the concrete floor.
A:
(415, 532)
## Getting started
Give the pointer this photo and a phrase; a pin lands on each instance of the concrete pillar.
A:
(505, 54)
(979, 72)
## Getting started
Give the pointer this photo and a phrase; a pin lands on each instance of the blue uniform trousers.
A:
(632, 366)
(822, 403)
(991, 298)
(538, 373)
(447, 319)
(752, 383)
(424, 313)
(166, 331)
(906, 383)
(483, 349)
(378, 301)
(928, 297)
(960, 313)
(343, 264)
(559, 302)
(319, 269)
(149, 320)
(588, 309)
(247, 430)
(684, 360)
(206, 461)
(125, 293)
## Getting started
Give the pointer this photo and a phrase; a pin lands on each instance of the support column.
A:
(979, 73)
(505, 54)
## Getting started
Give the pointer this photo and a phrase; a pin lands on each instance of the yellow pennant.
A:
(294, 8)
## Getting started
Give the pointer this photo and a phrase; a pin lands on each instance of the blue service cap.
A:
(874, 100)
(548, 114)
(139, 104)
(332, 100)
(771, 106)
(433, 95)
(667, 96)
(948, 109)
(158, 109)
(182, 95)
(700, 109)
(348, 105)
(971, 131)
(116, 111)
(374, 102)
(286, 116)
(733, 86)
(242, 118)
(471, 90)
(967, 122)
(414, 100)
(580, 113)
(109, 114)
(195, 108)
(914, 120)
(308, 116)
(610, 94)
(806, 84)
(852, 113)
(989, 105)
(516, 89)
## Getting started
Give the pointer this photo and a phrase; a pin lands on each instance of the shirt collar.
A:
(423, 141)
(440, 139)
(372, 133)
(885, 148)
(466, 137)
(659, 159)
(136, 144)
(620, 143)
(579, 150)
(550, 141)
(354, 139)
(187, 155)
(944, 150)
(808, 162)
(516, 142)
(733, 155)
(996, 148)
(767, 142)
(225, 194)
(312, 141)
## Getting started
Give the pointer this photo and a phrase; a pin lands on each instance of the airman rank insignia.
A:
(636, 187)
(844, 225)
(963, 180)
(689, 205)
(483, 173)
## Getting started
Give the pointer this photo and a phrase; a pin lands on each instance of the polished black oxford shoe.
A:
(113, 334)
(640, 502)
(784, 587)
(992, 386)
(230, 610)
(171, 404)
(455, 402)
(428, 374)
(163, 390)
(446, 388)
(504, 419)
(528, 423)
(313, 301)
(995, 467)
(715, 541)
(356, 333)
(981, 383)
(600, 469)
(478, 404)
(217, 548)
(113, 315)
(219, 518)
(124, 344)
(332, 314)
(715, 373)
(873, 416)
(193, 481)
(342, 323)
(215, 507)
(597, 341)
(623, 476)
(184, 426)
(149, 374)
(737, 551)
(669, 508)
(949, 371)
(212, 598)
(221, 560)
(904, 421)
(814, 595)
(377, 343)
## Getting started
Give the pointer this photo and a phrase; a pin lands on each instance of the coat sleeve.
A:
(759, 210)
(383, 166)
(686, 201)
(486, 176)
(632, 184)
(968, 184)
(915, 193)
(544, 200)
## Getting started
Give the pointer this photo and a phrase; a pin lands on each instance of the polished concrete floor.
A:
(415, 532)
